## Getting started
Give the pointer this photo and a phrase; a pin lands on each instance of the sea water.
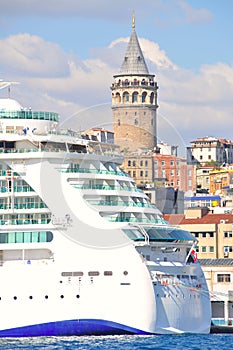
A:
(161, 342)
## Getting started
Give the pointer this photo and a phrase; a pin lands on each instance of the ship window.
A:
(11, 237)
(3, 238)
(107, 273)
(93, 273)
(35, 237)
(19, 237)
(78, 273)
(43, 236)
(66, 274)
(26, 237)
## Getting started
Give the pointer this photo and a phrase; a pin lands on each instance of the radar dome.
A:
(8, 104)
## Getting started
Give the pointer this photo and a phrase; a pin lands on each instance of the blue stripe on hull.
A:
(71, 327)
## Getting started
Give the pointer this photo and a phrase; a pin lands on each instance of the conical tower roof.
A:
(134, 62)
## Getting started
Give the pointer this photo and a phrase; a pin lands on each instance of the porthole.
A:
(62, 296)
(30, 297)
(77, 296)
(15, 298)
(125, 273)
(46, 297)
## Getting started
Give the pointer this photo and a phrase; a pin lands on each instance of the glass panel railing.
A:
(28, 114)
(93, 171)
(134, 234)
(119, 203)
(107, 187)
(133, 220)
(168, 234)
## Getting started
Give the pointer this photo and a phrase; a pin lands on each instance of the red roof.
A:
(179, 219)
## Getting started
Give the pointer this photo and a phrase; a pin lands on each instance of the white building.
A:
(207, 149)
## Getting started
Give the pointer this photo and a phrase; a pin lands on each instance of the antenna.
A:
(4, 84)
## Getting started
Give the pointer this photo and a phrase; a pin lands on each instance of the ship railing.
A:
(221, 321)
(50, 149)
(6, 173)
(107, 187)
(29, 114)
(25, 221)
(120, 203)
(132, 220)
(23, 206)
(93, 171)
(17, 189)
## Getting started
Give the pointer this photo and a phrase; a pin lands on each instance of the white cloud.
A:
(194, 15)
(30, 54)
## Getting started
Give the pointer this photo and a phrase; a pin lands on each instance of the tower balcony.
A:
(135, 83)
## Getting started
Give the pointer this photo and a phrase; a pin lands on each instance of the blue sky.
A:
(64, 53)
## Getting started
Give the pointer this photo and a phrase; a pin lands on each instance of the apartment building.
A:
(210, 149)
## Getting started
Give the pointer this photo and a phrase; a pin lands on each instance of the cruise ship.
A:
(82, 249)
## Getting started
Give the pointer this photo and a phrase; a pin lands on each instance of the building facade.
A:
(210, 149)
(213, 232)
(160, 170)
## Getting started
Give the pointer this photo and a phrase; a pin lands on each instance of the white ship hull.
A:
(84, 291)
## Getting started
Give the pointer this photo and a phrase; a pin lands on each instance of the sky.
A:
(64, 54)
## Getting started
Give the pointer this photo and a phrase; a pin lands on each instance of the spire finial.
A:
(133, 21)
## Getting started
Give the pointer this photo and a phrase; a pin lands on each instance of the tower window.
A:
(144, 97)
(152, 98)
(135, 97)
(126, 58)
(135, 121)
(126, 97)
(139, 58)
(118, 122)
(118, 98)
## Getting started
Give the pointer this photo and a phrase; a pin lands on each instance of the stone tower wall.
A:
(134, 127)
